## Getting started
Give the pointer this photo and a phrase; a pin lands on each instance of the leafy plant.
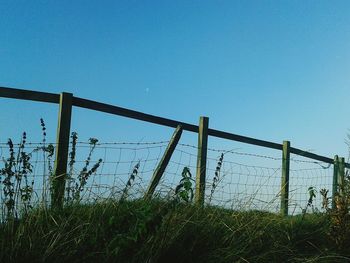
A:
(16, 187)
(8, 184)
(184, 190)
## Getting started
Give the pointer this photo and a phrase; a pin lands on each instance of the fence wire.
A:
(306, 175)
(242, 181)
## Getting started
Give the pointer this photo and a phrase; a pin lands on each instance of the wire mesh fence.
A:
(235, 179)
(304, 175)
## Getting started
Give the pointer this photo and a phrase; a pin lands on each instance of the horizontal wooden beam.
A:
(107, 108)
(311, 155)
(29, 95)
(93, 105)
(244, 139)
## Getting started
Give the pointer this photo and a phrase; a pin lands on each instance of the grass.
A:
(157, 230)
(162, 231)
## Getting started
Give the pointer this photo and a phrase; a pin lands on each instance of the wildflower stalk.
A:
(85, 173)
(130, 181)
(48, 152)
(216, 177)
(72, 155)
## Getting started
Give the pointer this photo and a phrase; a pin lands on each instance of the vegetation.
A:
(157, 230)
(184, 190)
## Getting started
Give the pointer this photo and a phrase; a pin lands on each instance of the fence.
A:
(277, 183)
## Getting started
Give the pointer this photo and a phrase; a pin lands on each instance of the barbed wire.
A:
(224, 151)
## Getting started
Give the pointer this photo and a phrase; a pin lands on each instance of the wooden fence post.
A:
(163, 162)
(62, 145)
(341, 175)
(285, 177)
(201, 159)
(335, 180)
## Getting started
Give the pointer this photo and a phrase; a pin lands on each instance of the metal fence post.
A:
(285, 177)
(63, 133)
(201, 160)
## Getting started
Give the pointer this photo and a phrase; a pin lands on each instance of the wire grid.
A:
(245, 180)
(305, 173)
(240, 183)
(119, 159)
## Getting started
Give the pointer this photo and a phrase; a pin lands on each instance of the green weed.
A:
(184, 190)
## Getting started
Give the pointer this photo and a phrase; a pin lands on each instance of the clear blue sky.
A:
(272, 70)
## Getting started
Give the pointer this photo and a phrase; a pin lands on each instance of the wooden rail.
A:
(115, 110)
(29, 95)
(107, 108)
(311, 155)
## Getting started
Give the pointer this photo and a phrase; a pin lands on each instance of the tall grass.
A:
(162, 231)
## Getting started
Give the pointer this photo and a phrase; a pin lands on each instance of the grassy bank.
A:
(159, 231)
